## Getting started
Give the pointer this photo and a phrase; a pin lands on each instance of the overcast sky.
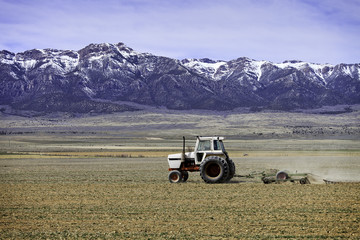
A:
(319, 31)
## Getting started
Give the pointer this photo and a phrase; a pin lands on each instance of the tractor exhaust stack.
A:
(183, 150)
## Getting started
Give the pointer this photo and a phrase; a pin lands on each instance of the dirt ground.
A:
(130, 198)
(106, 177)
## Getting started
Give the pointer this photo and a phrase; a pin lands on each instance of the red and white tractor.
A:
(209, 157)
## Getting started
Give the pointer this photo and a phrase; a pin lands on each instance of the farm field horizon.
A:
(106, 177)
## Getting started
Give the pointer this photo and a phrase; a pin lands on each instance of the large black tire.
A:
(231, 164)
(175, 176)
(304, 180)
(185, 176)
(282, 175)
(214, 170)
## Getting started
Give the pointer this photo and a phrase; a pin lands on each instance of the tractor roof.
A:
(210, 138)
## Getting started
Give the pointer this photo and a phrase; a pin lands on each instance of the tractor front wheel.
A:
(185, 176)
(175, 176)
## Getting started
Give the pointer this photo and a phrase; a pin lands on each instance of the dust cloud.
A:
(319, 168)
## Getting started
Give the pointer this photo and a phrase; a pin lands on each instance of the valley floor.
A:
(106, 177)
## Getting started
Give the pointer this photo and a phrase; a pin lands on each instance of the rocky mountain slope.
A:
(100, 77)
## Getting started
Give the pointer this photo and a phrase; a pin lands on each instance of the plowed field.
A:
(106, 176)
(130, 198)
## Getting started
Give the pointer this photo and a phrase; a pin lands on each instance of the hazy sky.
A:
(320, 31)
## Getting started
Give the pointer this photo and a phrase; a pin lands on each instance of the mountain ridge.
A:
(76, 81)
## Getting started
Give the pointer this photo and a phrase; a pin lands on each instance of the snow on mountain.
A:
(206, 67)
(323, 71)
(256, 68)
(216, 70)
(97, 76)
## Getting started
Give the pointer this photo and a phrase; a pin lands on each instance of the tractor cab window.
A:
(217, 145)
(222, 146)
(204, 145)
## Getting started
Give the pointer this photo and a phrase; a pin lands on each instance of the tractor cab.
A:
(207, 146)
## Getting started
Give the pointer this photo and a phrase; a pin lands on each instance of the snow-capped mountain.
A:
(99, 76)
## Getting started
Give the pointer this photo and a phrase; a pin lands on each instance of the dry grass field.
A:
(130, 198)
(105, 177)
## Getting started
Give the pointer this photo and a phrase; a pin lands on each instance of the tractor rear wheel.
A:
(231, 169)
(214, 170)
(175, 176)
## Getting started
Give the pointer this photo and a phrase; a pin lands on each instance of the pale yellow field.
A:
(105, 177)
(130, 198)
